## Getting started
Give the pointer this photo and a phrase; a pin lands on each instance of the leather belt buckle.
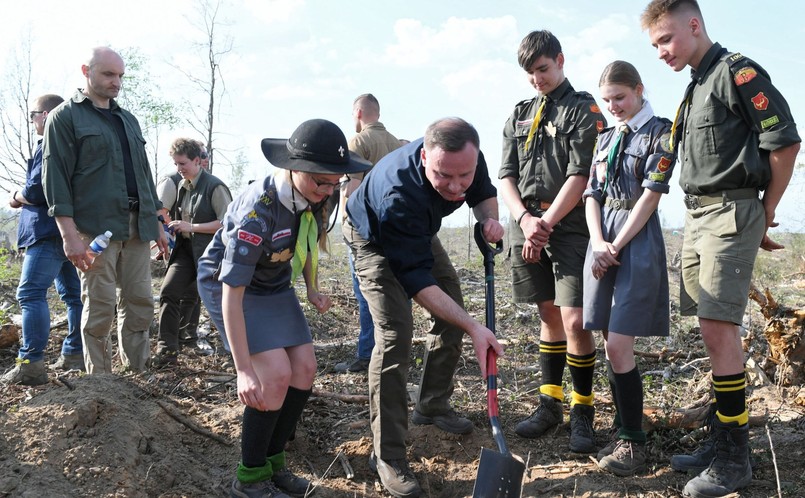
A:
(692, 201)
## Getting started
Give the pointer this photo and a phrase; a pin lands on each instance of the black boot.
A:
(730, 469)
(700, 459)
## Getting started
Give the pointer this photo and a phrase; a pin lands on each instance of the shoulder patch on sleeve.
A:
(744, 75)
(594, 108)
(665, 142)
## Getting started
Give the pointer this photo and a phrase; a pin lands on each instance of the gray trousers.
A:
(394, 327)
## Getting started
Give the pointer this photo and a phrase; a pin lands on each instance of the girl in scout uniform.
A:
(269, 237)
(625, 278)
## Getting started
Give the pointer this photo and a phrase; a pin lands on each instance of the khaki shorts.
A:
(718, 256)
(557, 276)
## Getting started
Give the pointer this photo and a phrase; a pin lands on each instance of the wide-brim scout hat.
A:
(316, 146)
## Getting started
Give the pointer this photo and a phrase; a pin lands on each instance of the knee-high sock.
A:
(295, 401)
(552, 358)
(629, 389)
(258, 429)
(582, 368)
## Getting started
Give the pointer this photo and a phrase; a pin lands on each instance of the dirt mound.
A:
(108, 437)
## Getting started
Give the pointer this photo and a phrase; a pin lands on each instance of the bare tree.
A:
(238, 169)
(141, 96)
(17, 143)
(213, 49)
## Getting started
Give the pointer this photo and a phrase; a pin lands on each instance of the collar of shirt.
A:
(642, 117)
(293, 202)
(560, 91)
(190, 184)
(712, 56)
(377, 125)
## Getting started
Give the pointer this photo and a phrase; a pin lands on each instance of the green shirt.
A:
(562, 146)
(83, 172)
(735, 118)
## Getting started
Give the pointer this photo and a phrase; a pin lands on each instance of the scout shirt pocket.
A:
(521, 129)
(93, 149)
(705, 123)
(635, 156)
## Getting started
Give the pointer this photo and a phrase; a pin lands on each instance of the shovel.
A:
(500, 474)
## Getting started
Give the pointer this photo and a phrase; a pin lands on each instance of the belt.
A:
(697, 201)
(538, 205)
(620, 203)
(134, 204)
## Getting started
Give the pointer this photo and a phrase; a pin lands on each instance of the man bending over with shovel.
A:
(394, 218)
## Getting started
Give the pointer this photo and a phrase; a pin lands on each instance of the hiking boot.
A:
(628, 458)
(291, 483)
(610, 447)
(165, 359)
(448, 422)
(69, 362)
(396, 476)
(730, 469)
(262, 489)
(700, 459)
(582, 435)
(27, 373)
(547, 416)
(356, 365)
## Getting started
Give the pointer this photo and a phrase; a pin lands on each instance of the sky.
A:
(293, 60)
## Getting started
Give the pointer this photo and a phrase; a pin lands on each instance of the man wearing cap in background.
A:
(394, 218)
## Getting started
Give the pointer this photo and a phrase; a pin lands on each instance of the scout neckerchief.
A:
(612, 157)
(306, 240)
(535, 124)
(679, 118)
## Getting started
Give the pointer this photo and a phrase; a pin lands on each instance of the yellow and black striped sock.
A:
(730, 393)
(581, 369)
(552, 363)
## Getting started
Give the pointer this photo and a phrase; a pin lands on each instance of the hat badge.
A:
(341, 150)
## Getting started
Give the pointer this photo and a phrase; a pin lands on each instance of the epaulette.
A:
(743, 69)
(524, 101)
(582, 93)
(733, 59)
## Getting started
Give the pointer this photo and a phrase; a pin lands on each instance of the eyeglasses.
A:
(33, 114)
(320, 185)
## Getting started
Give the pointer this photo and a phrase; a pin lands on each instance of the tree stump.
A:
(785, 334)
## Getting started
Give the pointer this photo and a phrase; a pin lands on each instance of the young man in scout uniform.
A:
(548, 144)
(735, 136)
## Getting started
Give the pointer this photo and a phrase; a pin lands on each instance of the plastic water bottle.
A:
(100, 243)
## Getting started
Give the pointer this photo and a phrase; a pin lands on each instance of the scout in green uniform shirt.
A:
(736, 137)
(547, 151)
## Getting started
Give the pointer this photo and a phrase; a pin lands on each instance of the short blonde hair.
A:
(659, 8)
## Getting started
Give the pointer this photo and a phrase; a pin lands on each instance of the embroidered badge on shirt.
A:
(664, 164)
(281, 234)
(594, 108)
(768, 123)
(282, 256)
(656, 177)
(249, 237)
(745, 75)
(760, 101)
(599, 126)
(550, 129)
